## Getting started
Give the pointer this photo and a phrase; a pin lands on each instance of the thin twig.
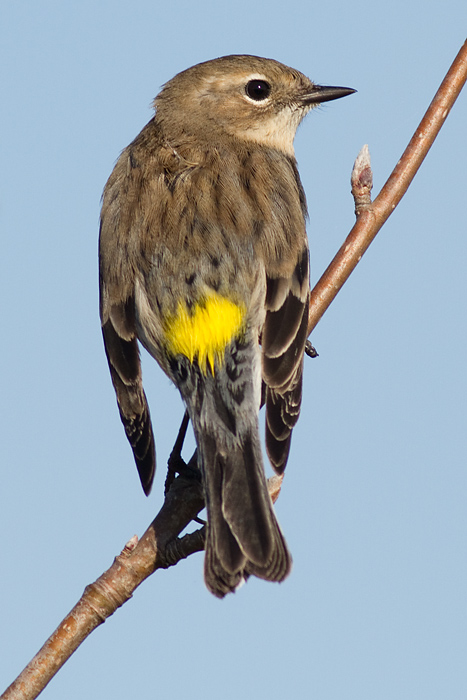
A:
(373, 217)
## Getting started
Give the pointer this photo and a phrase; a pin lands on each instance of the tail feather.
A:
(243, 534)
(219, 580)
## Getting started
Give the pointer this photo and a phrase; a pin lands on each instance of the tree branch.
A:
(371, 218)
(115, 586)
(160, 546)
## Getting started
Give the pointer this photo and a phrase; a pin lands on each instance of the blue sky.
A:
(373, 504)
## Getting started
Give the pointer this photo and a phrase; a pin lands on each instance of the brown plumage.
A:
(204, 260)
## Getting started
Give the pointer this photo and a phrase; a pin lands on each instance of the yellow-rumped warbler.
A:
(204, 260)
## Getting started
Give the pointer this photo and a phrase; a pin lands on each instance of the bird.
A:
(204, 261)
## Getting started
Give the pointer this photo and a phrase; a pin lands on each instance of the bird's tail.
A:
(243, 536)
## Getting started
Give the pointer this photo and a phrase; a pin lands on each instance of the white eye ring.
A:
(257, 90)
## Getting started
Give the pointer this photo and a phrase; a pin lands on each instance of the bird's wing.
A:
(122, 353)
(117, 310)
(283, 341)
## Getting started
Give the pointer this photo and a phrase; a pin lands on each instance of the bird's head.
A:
(245, 97)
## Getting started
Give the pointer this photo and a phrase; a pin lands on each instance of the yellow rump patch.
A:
(204, 331)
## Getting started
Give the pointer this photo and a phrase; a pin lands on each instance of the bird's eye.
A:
(258, 90)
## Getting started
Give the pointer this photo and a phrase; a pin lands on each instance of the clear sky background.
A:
(373, 504)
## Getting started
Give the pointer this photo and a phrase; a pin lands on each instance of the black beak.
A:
(325, 93)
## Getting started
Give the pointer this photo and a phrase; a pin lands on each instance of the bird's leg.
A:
(176, 464)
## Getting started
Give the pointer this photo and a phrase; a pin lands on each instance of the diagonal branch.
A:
(160, 547)
(113, 588)
(371, 219)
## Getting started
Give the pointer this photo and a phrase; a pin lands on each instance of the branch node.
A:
(129, 547)
(274, 486)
